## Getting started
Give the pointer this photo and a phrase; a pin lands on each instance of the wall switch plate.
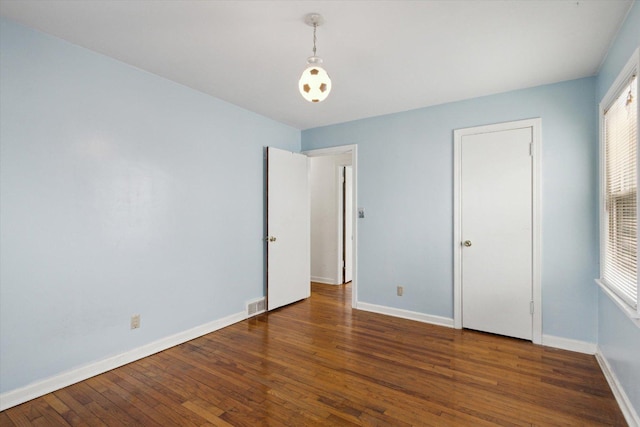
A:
(400, 291)
(135, 321)
(360, 212)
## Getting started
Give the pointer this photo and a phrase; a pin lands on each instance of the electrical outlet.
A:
(135, 321)
(400, 291)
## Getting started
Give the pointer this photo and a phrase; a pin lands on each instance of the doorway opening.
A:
(333, 190)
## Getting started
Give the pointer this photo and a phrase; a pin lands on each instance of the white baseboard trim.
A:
(64, 379)
(406, 314)
(324, 280)
(569, 344)
(629, 412)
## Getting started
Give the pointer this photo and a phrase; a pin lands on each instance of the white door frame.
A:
(340, 228)
(342, 244)
(536, 151)
(353, 150)
(347, 237)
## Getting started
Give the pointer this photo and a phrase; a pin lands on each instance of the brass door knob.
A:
(467, 243)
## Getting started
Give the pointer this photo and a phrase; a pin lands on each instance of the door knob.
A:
(270, 239)
(467, 243)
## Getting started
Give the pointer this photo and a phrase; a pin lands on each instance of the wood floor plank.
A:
(16, 418)
(123, 400)
(320, 363)
(87, 417)
(5, 421)
(24, 415)
(49, 416)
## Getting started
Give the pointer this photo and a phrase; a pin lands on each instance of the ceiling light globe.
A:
(314, 83)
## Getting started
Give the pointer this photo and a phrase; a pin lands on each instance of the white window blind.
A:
(621, 245)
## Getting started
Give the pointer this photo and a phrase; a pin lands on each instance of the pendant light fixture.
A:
(314, 83)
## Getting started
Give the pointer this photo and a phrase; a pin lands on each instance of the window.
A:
(619, 216)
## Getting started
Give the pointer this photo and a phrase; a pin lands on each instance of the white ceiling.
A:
(382, 56)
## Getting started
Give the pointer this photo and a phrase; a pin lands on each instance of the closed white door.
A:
(496, 232)
(288, 216)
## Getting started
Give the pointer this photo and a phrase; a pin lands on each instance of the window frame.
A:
(632, 67)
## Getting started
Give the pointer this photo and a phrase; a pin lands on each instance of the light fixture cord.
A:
(315, 25)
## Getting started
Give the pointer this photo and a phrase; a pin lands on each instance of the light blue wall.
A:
(121, 193)
(618, 336)
(405, 178)
(619, 342)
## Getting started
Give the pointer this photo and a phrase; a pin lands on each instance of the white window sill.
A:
(626, 309)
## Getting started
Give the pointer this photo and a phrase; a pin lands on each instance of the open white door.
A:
(288, 216)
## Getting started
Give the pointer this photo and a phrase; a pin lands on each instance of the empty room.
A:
(322, 213)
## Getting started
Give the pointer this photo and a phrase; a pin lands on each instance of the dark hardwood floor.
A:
(318, 362)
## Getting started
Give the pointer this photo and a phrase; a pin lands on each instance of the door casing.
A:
(536, 126)
(348, 224)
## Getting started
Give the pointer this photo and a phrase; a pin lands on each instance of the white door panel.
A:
(288, 215)
(496, 220)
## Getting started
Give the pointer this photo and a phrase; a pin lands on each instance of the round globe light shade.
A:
(314, 84)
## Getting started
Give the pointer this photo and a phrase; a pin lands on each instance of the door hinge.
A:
(531, 307)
